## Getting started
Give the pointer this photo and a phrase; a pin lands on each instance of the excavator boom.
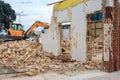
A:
(16, 30)
(36, 25)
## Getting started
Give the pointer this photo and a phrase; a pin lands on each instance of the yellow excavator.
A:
(16, 31)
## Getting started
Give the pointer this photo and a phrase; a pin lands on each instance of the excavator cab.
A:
(16, 30)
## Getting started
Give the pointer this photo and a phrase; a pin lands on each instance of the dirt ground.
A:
(55, 76)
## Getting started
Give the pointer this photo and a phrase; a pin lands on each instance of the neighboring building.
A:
(89, 33)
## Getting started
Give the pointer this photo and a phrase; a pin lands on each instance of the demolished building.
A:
(75, 13)
(90, 27)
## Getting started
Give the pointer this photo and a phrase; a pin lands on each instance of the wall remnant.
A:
(116, 35)
(77, 30)
(108, 28)
(108, 57)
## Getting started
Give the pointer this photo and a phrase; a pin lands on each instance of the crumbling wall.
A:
(78, 33)
(79, 28)
(108, 56)
(108, 28)
(50, 38)
(116, 33)
(77, 16)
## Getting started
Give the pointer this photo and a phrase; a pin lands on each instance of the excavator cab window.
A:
(16, 27)
(19, 27)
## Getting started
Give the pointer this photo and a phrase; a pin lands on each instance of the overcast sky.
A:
(32, 10)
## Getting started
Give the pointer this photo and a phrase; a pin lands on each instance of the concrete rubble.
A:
(28, 58)
(66, 46)
(97, 45)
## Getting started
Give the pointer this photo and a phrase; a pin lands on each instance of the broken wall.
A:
(77, 16)
(116, 37)
(50, 39)
(79, 27)
(108, 27)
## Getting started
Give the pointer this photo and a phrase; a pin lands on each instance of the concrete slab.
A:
(110, 76)
(56, 76)
(5, 70)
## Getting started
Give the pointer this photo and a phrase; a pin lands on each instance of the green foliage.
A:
(7, 15)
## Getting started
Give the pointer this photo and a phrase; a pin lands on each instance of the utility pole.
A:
(19, 15)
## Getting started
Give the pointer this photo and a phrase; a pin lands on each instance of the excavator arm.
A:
(36, 25)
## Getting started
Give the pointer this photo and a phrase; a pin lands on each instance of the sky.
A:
(31, 11)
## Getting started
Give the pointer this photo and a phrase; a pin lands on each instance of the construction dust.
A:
(28, 58)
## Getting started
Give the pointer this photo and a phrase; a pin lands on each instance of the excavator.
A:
(17, 32)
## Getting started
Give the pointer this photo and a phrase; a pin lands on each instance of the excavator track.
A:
(8, 38)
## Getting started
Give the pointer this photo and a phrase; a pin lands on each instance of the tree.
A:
(7, 15)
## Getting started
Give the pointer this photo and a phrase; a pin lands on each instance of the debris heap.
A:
(65, 46)
(28, 58)
(97, 45)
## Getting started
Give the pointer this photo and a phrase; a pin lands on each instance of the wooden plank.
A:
(55, 3)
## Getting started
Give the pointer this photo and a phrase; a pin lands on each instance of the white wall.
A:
(66, 34)
(79, 27)
(93, 5)
(62, 16)
(78, 33)
(77, 16)
(50, 38)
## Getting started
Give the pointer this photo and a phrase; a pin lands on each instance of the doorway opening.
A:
(94, 37)
(64, 29)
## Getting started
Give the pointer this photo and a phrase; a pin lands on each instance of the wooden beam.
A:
(55, 2)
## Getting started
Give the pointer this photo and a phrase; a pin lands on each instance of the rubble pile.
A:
(29, 58)
(97, 45)
(1, 41)
(91, 65)
(66, 46)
